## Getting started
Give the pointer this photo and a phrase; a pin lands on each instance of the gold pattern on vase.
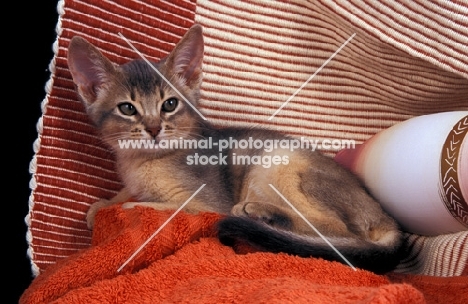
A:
(450, 166)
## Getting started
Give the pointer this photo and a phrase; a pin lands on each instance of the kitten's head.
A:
(131, 101)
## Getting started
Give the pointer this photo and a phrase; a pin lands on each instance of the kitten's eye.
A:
(127, 108)
(169, 105)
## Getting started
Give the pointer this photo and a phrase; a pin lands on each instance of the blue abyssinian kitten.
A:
(132, 102)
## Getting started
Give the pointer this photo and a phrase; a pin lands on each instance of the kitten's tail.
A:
(373, 256)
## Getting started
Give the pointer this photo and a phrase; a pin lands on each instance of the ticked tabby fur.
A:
(132, 101)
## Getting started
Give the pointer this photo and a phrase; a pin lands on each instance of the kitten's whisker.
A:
(193, 128)
(189, 134)
(184, 136)
(117, 136)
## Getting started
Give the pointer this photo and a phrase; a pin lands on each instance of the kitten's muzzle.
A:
(153, 131)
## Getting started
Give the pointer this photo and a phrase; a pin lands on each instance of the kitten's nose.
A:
(153, 131)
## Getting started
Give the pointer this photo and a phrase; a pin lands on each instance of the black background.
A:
(27, 51)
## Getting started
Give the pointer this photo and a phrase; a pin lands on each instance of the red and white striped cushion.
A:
(71, 167)
(405, 59)
(259, 53)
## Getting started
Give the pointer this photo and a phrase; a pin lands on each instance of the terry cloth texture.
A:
(185, 263)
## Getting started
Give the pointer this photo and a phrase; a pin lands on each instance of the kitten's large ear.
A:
(187, 57)
(90, 69)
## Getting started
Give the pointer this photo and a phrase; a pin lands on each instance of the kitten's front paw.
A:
(129, 205)
(93, 209)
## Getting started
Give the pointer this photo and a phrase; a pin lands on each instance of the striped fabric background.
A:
(71, 168)
(259, 53)
(404, 60)
(445, 255)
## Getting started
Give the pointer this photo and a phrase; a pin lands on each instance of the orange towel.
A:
(185, 263)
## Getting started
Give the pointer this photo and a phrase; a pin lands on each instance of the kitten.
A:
(132, 102)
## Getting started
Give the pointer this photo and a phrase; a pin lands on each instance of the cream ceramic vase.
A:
(418, 171)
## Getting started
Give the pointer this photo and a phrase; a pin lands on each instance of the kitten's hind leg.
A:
(270, 214)
(258, 203)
